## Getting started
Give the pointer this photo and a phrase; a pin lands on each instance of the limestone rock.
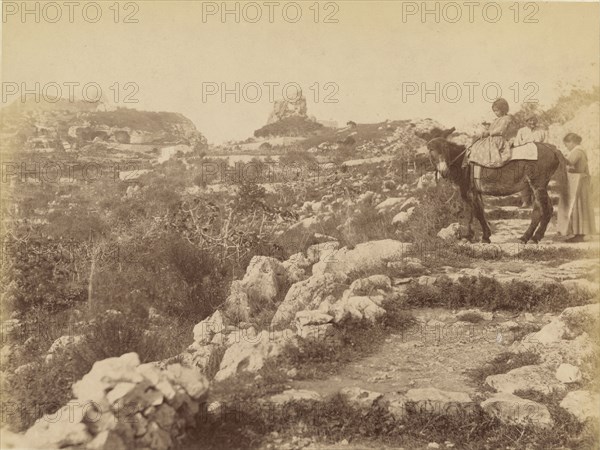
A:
(307, 294)
(251, 356)
(291, 395)
(537, 378)
(511, 409)
(296, 267)
(450, 233)
(192, 380)
(367, 257)
(402, 217)
(583, 405)
(321, 251)
(568, 373)
(366, 286)
(390, 204)
(205, 330)
(361, 397)
(264, 277)
(358, 308)
(438, 401)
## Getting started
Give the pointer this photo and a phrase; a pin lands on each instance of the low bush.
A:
(488, 293)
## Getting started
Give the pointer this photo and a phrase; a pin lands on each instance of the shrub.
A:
(488, 293)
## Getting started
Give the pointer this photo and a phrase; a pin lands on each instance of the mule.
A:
(511, 178)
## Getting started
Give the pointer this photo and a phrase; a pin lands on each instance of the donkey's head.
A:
(439, 150)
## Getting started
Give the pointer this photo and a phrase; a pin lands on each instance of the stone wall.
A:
(119, 405)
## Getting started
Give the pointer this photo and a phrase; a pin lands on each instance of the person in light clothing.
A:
(530, 133)
(493, 148)
(576, 212)
(525, 135)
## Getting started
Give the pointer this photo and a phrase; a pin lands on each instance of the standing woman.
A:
(493, 148)
(576, 217)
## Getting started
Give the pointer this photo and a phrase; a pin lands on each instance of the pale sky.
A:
(370, 54)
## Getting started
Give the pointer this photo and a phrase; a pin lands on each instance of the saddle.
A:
(526, 152)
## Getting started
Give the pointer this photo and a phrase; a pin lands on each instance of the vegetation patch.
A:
(503, 363)
(488, 293)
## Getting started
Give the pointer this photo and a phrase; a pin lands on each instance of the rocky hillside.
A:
(68, 126)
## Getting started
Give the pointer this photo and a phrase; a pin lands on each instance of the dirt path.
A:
(440, 351)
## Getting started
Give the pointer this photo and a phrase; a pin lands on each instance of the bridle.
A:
(451, 163)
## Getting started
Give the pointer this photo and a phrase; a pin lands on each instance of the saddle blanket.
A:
(526, 152)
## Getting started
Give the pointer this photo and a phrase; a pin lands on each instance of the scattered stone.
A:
(361, 397)
(568, 373)
(250, 356)
(537, 378)
(438, 401)
(358, 308)
(205, 330)
(291, 395)
(368, 257)
(583, 405)
(264, 277)
(450, 233)
(307, 294)
(511, 409)
(366, 286)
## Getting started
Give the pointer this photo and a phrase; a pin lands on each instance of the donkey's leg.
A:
(468, 202)
(530, 177)
(536, 216)
(546, 205)
(480, 213)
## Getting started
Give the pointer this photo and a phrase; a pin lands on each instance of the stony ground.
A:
(442, 350)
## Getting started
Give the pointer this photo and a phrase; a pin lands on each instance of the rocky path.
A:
(441, 350)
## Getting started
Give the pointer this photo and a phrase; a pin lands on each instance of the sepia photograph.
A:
(289, 225)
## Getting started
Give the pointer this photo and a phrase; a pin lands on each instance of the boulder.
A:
(450, 233)
(314, 317)
(537, 378)
(321, 251)
(296, 267)
(58, 430)
(390, 204)
(306, 294)
(402, 217)
(264, 278)
(514, 410)
(411, 202)
(568, 373)
(366, 258)
(369, 285)
(581, 318)
(248, 356)
(395, 404)
(316, 332)
(204, 331)
(357, 308)
(584, 405)
(437, 401)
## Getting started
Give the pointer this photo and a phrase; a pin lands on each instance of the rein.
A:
(458, 156)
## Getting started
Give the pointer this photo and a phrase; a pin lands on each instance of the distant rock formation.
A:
(289, 119)
(283, 109)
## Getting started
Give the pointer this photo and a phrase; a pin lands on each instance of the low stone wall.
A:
(121, 404)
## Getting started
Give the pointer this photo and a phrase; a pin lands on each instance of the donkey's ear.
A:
(447, 133)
